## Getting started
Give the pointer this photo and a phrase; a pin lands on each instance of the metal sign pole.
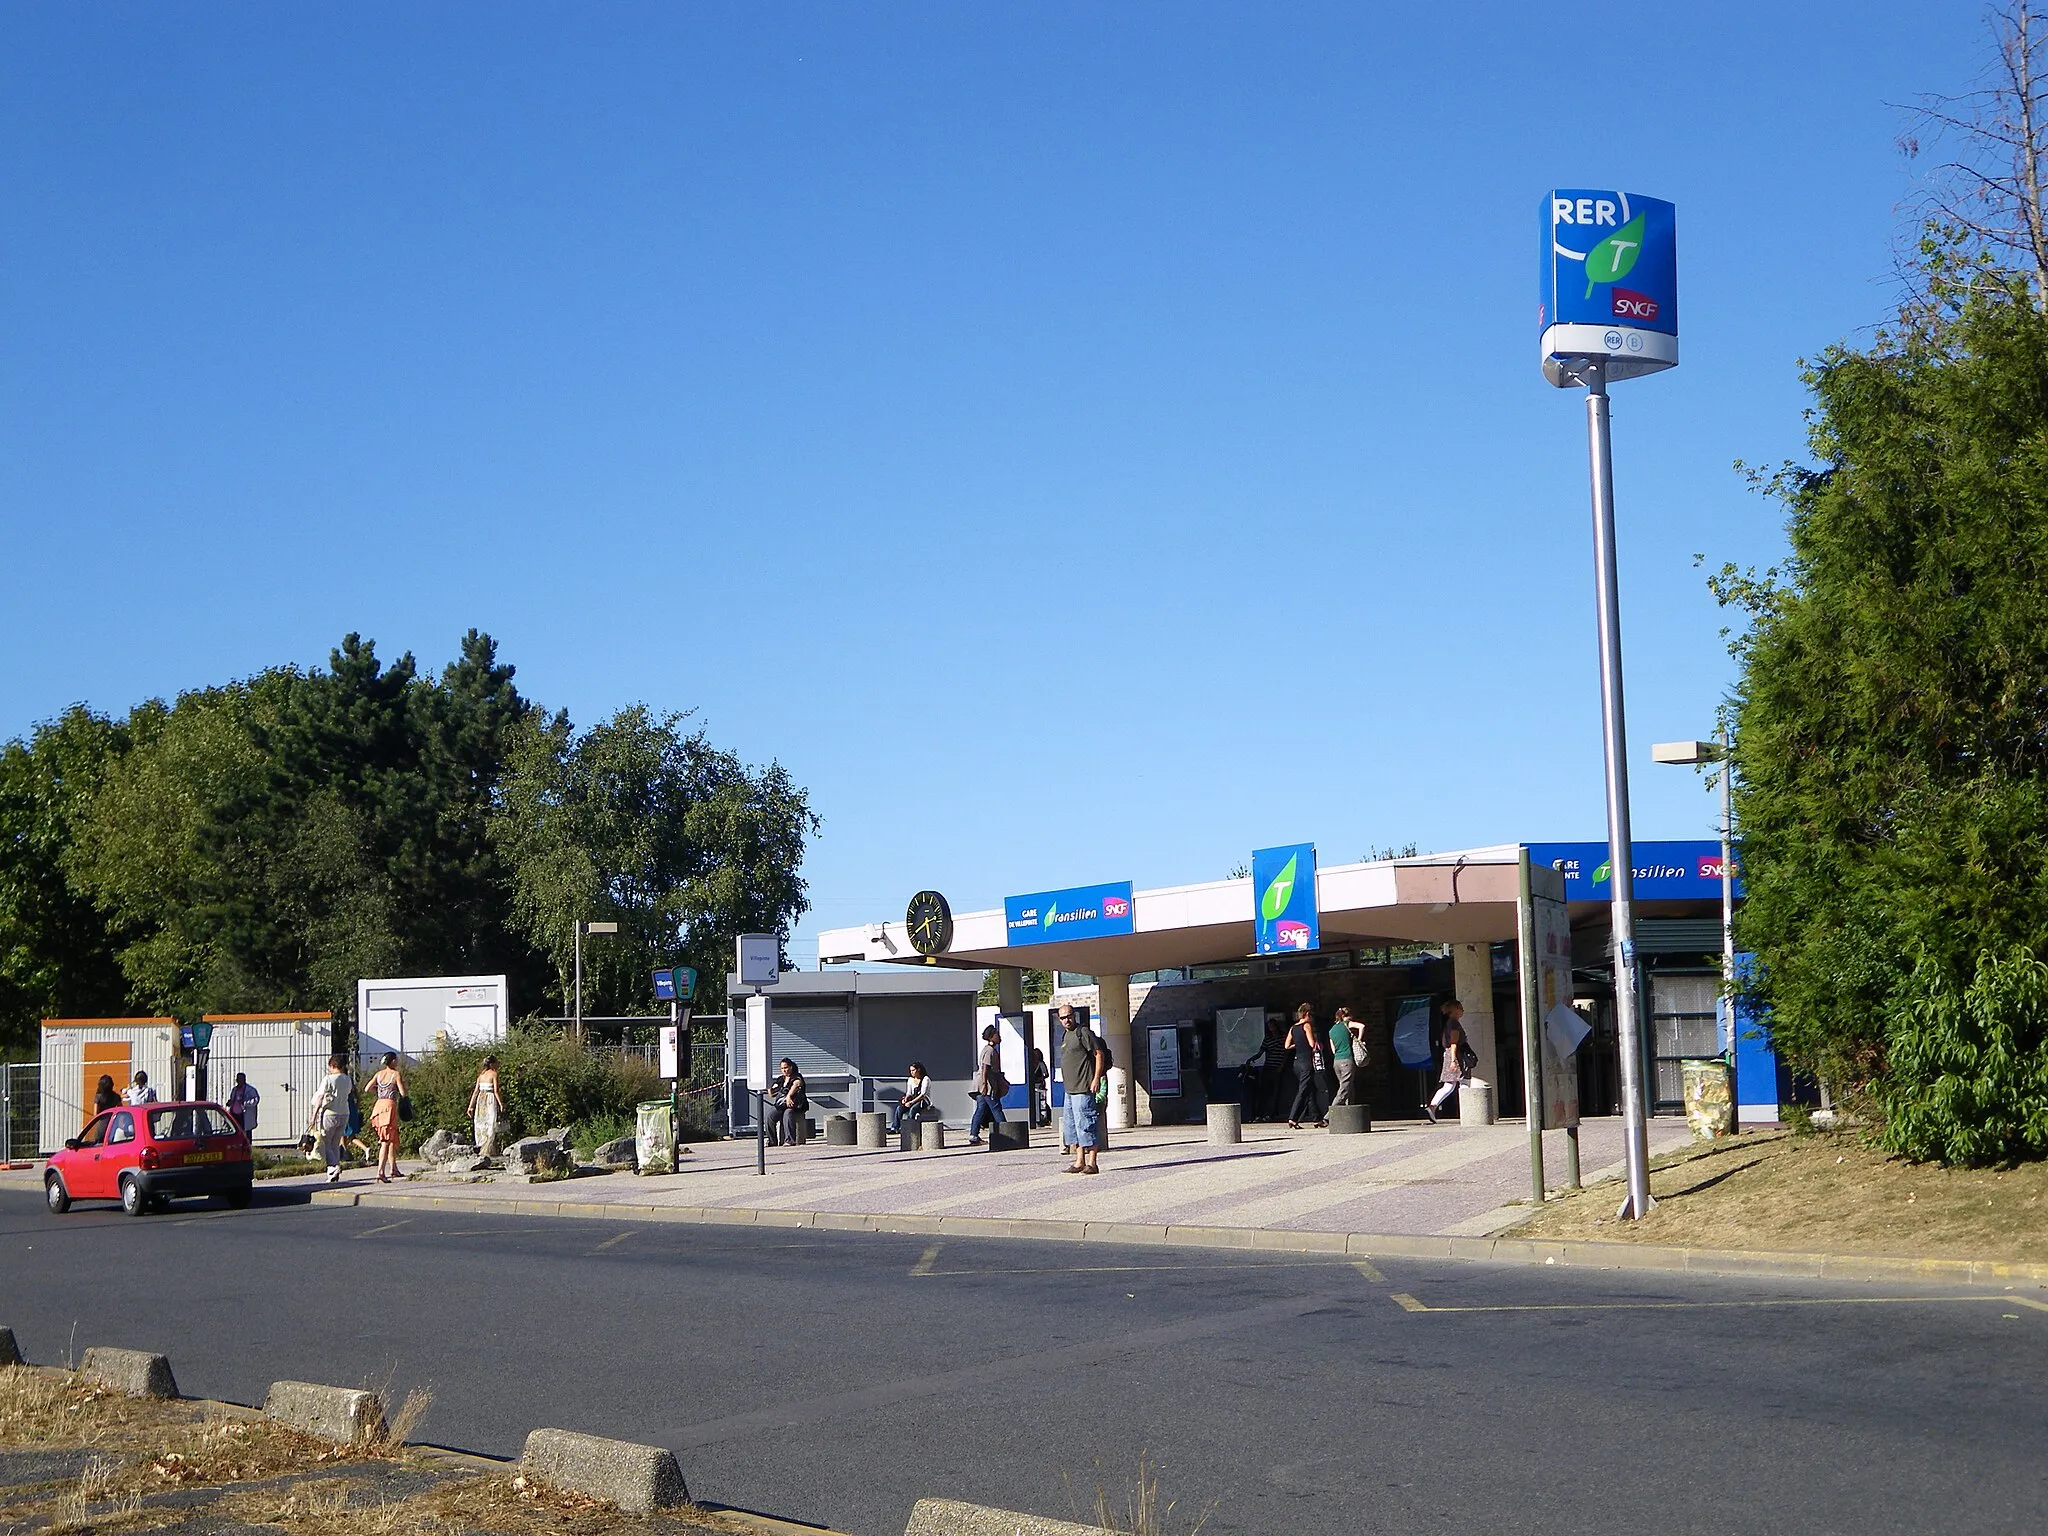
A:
(760, 1114)
(1728, 924)
(1614, 743)
(1532, 1040)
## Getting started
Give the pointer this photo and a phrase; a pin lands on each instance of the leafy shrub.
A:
(599, 1129)
(546, 1081)
(1966, 1080)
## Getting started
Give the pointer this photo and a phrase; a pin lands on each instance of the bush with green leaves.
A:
(1968, 1079)
(547, 1081)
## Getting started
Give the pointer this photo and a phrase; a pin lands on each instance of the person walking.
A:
(486, 1107)
(242, 1102)
(104, 1097)
(139, 1091)
(1346, 1050)
(1308, 1068)
(989, 1085)
(1459, 1060)
(328, 1115)
(1084, 1069)
(388, 1102)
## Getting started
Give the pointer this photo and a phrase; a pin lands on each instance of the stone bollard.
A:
(931, 1135)
(9, 1354)
(1009, 1136)
(1475, 1103)
(345, 1415)
(136, 1372)
(1349, 1119)
(1226, 1123)
(840, 1131)
(637, 1478)
(871, 1128)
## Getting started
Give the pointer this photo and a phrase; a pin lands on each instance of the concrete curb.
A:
(637, 1478)
(345, 1415)
(134, 1371)
(1556, 1252)
(949, 1517)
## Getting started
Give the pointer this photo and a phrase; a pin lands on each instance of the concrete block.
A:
(840, 1131)
(871, 1129)
(1350, 1119)
(345, 1415)
(637, 1478)
(134, 1371)
(931, 1135)
(1009, 1136)
(1475, 1103)
(948, 1517)
(1226, 1123)
(9, 1354)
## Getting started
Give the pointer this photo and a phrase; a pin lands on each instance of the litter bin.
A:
(1709, 1109)
(654, 1136)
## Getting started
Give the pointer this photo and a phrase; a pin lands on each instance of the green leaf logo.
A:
(1606, 868)
(1052, 910)
(1280, 892)
(1611, 259)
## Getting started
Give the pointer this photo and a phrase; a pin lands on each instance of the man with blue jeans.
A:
(1084, 1064)
(989, 1086)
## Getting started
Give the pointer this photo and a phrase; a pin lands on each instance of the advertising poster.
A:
(1284, 886)
(1165, 1062)
(1562, 1029)
(1079, 912)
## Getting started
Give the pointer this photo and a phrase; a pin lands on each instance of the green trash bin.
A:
(654, 1130)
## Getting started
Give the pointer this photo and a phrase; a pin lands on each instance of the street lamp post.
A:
(1698, 754)
(581, 929)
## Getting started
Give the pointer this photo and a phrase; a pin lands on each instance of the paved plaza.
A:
(1405, 1179)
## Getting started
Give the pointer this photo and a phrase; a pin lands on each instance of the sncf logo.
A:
(1630, 305)
(1291, 935)
(1115, 906)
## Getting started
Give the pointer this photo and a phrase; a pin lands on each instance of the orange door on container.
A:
(103, 1058)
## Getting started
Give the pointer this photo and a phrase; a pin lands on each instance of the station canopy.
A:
(1439, 898)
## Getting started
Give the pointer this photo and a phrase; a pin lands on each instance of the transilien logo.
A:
(1280, 892)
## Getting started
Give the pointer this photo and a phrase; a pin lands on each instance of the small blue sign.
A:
(1079, 912)
(678, 984)
(1672, 871)
(665, 985)
(1607, 283)
(1284, 887)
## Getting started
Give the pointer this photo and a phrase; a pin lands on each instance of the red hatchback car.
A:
(146, 1155)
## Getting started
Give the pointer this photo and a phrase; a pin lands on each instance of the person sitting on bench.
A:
(787, 1100)
(916, 1103)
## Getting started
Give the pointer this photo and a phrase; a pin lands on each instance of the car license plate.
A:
(203, 1157)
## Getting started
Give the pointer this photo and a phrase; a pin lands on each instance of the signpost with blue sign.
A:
(1079, 912)
(1607, 308)
(1284, 885)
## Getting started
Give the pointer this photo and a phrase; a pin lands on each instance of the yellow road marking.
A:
(2024, 1301)
(388, 1227)
(1365, 1268)
(613, 1242)
(925, 1261)
(1126, 1269)
(1410, 1304)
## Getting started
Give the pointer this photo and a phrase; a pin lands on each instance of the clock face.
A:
(930, 922)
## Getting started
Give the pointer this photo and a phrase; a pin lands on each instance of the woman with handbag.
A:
(328, 1116)
(1308, 1068)
(390, 1105)
(1459, 1060)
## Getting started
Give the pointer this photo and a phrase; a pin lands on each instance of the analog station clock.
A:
(930, 922)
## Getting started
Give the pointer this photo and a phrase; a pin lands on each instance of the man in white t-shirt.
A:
(139, 1091)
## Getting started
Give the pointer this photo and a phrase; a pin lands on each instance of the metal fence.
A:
(21, 1112)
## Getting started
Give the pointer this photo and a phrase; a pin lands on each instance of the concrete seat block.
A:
(345, 1415)
(931, 1135)
(1349, 1119)
(637, 1478)
(948, 1517)
(871, 1128)
(134, 1371)
(840, 1131)
(1009, 1136)
(1226, 1123)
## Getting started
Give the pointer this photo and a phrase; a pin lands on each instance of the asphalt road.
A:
(836, 1378)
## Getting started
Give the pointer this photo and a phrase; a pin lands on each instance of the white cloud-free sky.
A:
(1080, 441)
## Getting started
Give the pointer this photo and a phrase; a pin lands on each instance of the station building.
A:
(1178, 988)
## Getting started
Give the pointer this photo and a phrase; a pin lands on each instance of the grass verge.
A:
(1773, 1191)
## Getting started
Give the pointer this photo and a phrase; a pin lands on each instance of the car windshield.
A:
(95, 1133)
(172, 1124)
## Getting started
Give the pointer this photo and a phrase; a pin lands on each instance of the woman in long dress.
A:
(486, 1107)
(386, 1089)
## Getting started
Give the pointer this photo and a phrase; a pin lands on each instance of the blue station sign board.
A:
(1284, 888)
(1079, 912)
(678, 985)
(1607, 282)
(1670, 871)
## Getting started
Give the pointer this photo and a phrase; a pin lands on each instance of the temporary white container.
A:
(77, 1052)
(284, 1056)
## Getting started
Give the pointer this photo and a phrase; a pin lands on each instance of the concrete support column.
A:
(1010, 990)
(1472, 975)
(1113, 1005)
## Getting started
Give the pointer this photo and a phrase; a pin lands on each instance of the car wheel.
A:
(238, 1199)
(133, 1200)
(55, 1196)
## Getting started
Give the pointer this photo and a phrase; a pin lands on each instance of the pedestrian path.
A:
(1414, 1179)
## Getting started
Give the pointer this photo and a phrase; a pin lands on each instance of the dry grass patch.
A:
(500, 1503)
(1776, 1192)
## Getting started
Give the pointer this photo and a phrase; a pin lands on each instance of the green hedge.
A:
(546, 1081)
(1967, 1079)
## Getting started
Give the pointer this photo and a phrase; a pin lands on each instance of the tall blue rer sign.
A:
(1284, 886)
(1607, 282)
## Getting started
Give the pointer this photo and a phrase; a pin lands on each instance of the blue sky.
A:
(1081, 441)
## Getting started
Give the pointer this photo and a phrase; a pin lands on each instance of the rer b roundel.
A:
(1607, 283)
